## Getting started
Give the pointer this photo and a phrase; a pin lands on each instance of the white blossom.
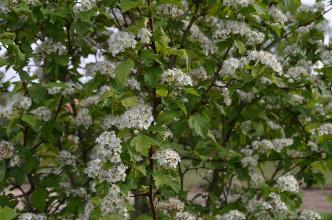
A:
(84, 5)
(184, 216)
(144, 35)
(295, 73)
(87, 211)
(176, 77)
(279, 144)
(199, 74)
(84, 118)
(106, 68)
(108, 147)
(120, 41)
(15, 161)
(208, 46)
(170, 10)
(249, 161)
(230, 66)
(278, 205)
(307, 214)
(32, 216)
(172, 205)
(134, 84)
(288, 183)
(256, 178)
(114, 203)
(167, 158)
(278, 16)
(43, 113)
(237, 3)
(297, 99)
(246, 97)
(6, 150)
(139, 117)
(325, 129)
(66, 158)
(233, 215)
(265, 58)
(239, 28)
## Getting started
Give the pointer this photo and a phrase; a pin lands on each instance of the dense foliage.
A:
(120, 105)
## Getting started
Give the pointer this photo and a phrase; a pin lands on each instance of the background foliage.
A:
(239, 90)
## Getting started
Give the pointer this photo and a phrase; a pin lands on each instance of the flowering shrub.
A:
(118, 102)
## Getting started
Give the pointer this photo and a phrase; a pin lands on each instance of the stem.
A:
(153, 44)
(151, 196)
(185, 34)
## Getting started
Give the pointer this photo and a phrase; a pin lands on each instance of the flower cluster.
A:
(307, 214)
(208, 46)
(84, 5)
(230, 66)
(68, 89)
(144, 35)
(325, 129)
(17, 101)
(134, 84)
(199, 74)
(170, 10)
(288, 183)
(277, 15)
(66, 158)
(43, 113)
(176, 77)
(114, 202)
(171, 206)
(106, 68)
(107, 151)
(84, 118)
(278, 205)
(48, 47)
(277, 144)
(167, 158)
(139, 117)
(184, 216)
(265, 58)
(94, 99)
(6, 150)
(239, 28)
(121, 40)
(32, 216)
(87, 211)
(233, 215)
(237, 3)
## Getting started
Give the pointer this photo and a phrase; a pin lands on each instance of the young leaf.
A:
(142, 144)
(200, 124)
(7, 213)
(123, 70)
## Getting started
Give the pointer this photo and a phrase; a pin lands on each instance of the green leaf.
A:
(39, 199)
(165, 180)
(130, 101)
(200, 124)
(240, 46)
(2, 171)
(31, 120)
(162, 92)
(142, 144)
(7, 213)
(3, 62)
(127, 5)
(122, 71)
